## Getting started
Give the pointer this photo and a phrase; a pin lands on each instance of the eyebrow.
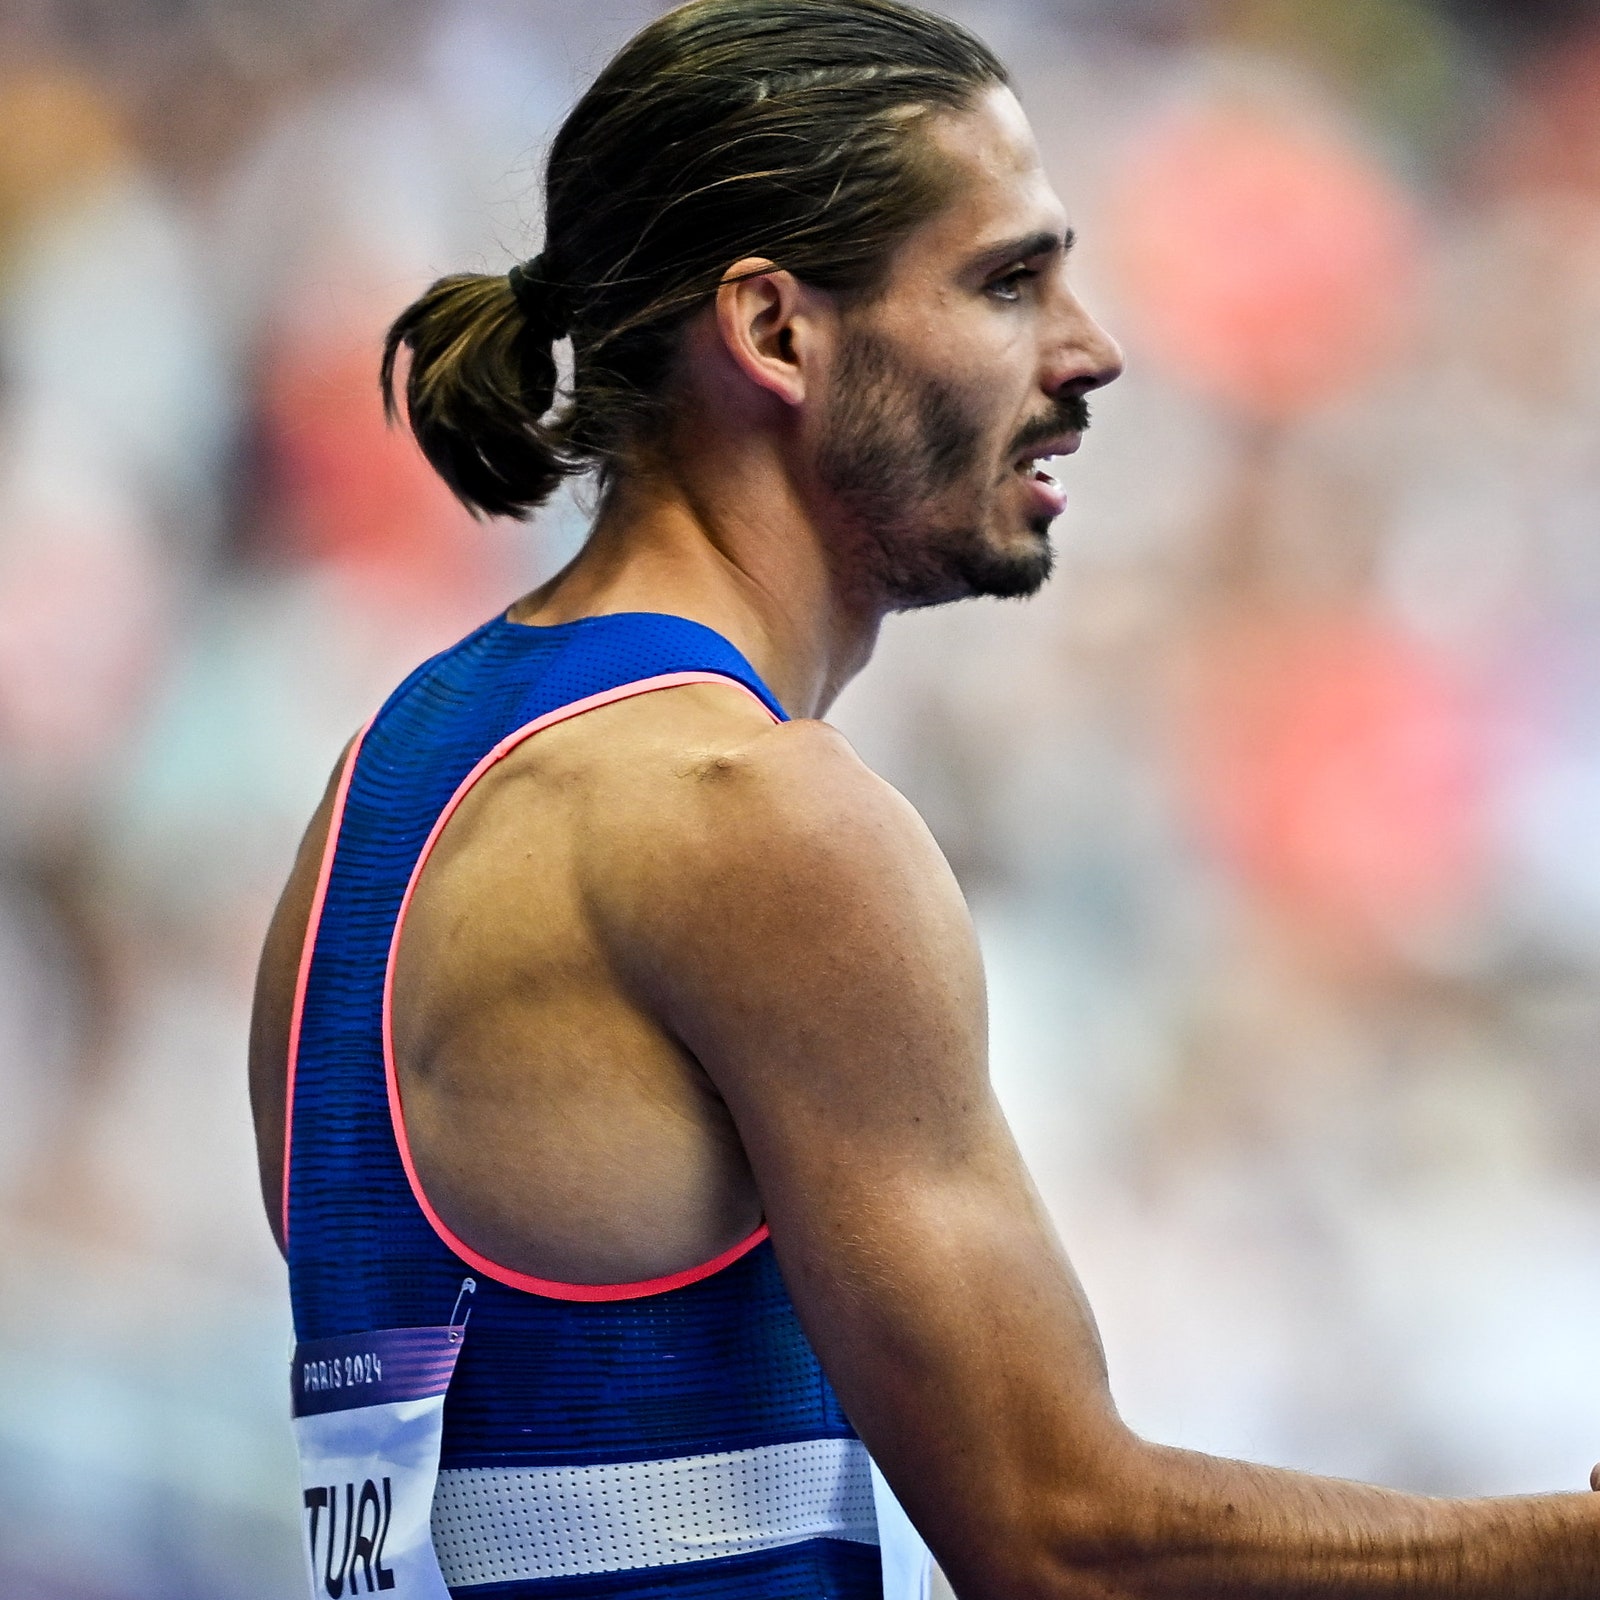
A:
(1044, 242)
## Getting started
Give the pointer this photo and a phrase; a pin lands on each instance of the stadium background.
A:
(1277, 810)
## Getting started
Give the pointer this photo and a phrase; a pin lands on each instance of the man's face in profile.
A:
(956, 382)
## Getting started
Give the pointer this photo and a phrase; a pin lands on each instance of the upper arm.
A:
(792, 922)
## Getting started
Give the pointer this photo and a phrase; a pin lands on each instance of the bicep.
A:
(825, 973)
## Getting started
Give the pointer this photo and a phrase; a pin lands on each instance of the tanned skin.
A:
(673, 968)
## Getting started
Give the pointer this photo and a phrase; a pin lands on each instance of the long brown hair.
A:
(785, 129)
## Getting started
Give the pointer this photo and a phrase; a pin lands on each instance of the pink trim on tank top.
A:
(303, 976)
(549, 1287)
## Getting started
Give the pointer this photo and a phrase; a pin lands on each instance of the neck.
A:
(735, 550)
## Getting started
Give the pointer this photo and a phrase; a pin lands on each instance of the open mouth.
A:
(1038, 463)
(1037, 468)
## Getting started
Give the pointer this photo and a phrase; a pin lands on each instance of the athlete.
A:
(618, 1057)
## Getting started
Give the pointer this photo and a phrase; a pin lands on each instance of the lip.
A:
(1060, 444)
(1049, 498)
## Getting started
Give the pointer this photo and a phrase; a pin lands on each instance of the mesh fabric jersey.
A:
(709, 1363)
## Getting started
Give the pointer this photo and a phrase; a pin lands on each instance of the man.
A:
(616, 999)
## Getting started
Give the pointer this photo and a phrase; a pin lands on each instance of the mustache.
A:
(1070, 415)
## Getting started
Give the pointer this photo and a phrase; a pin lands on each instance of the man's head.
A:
(741, 164)
(967, 368)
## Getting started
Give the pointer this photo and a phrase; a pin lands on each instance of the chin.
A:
(1015, 570)
(1018, 578)
(973, 566)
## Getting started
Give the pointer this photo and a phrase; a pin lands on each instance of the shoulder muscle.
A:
(781, 888)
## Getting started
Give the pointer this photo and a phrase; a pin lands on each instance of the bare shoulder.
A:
(787, 915)
(801, 783)
(745, 823)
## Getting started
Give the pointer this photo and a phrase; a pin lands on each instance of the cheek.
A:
(958, 430)
(996, 387)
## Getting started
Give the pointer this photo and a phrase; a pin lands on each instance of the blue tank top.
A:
(616, 1395)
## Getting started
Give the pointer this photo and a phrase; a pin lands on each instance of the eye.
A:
(1009, 285)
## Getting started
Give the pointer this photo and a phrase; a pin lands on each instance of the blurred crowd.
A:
(1274, 808)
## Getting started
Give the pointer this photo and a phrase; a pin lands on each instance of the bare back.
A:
(556, 1126)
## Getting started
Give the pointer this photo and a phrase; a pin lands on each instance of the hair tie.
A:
(538, 299)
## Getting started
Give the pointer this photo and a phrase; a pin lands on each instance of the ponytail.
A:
(482, 380)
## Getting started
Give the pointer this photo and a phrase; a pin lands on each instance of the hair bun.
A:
(538, 299)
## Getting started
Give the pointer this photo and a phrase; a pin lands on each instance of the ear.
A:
(768, 322)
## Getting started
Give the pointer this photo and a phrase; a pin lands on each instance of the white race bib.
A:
(369, 1421)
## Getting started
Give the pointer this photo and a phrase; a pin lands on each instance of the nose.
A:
(1085, 356)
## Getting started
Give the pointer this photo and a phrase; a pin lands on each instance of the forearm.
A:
(1181, 1526)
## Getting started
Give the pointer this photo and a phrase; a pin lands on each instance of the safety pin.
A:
(468, 1286)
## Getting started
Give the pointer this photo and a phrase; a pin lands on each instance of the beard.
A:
(898, 444)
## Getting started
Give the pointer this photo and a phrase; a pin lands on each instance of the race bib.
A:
(369, 1420)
